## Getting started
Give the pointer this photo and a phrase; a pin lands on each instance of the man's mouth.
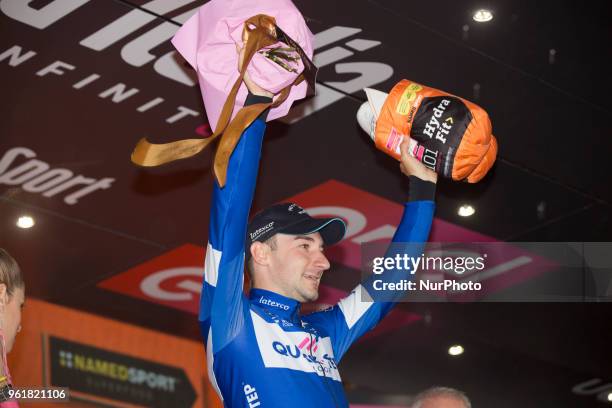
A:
(314, 278)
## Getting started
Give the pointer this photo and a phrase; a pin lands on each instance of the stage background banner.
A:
(106, 361)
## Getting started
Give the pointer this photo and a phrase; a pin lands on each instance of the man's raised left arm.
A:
(359, 312)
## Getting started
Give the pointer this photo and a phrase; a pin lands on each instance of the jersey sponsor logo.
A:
(309, 343)
(297, 352)
(294, 350)
(250, 393)
(272, 303)
(38, 177)
(286, 323)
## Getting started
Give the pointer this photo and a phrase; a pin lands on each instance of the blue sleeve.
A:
(222, 299)
(356, 314)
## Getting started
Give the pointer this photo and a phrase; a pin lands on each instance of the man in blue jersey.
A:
(260, 351)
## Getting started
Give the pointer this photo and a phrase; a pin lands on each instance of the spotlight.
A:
(466, 210)
(25, 222)
(482, 16)
(456, 350)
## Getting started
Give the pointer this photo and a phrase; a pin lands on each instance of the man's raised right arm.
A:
(222, 296)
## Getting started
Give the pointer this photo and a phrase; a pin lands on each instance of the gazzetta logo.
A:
(172, 279)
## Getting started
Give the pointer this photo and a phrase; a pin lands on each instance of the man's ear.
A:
(260, 252)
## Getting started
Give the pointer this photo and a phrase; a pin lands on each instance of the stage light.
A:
(482, 16)
(25, 222)
(455, 350)
(466, 210)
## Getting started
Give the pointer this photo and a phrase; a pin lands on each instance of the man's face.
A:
(442, 402)
(12, 317)
(297, 265)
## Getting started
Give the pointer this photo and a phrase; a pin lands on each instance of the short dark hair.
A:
(10, 274)
(440, 392)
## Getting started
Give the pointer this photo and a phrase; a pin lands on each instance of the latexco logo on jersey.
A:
(270, 302)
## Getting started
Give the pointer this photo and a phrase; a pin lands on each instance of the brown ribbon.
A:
(260, 33)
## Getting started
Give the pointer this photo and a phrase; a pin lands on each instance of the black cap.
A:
(291, 219)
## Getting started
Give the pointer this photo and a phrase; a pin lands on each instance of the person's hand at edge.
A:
(251, 85)
(410, 166)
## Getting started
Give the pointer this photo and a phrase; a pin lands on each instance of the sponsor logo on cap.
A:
(260, 231)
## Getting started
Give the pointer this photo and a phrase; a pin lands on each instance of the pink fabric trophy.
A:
(208, 42)
(277, 52)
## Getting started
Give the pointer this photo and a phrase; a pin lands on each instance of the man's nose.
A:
(321, 261)
(18, 328)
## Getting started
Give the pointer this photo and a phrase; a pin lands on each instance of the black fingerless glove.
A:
(252, 99)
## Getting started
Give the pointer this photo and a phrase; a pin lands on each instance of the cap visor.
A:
(332, 230)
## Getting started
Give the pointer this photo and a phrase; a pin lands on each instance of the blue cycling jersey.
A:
(260, 351)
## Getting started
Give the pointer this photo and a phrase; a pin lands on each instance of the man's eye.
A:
(305, 246)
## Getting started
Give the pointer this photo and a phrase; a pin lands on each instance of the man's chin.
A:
(310, 296)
